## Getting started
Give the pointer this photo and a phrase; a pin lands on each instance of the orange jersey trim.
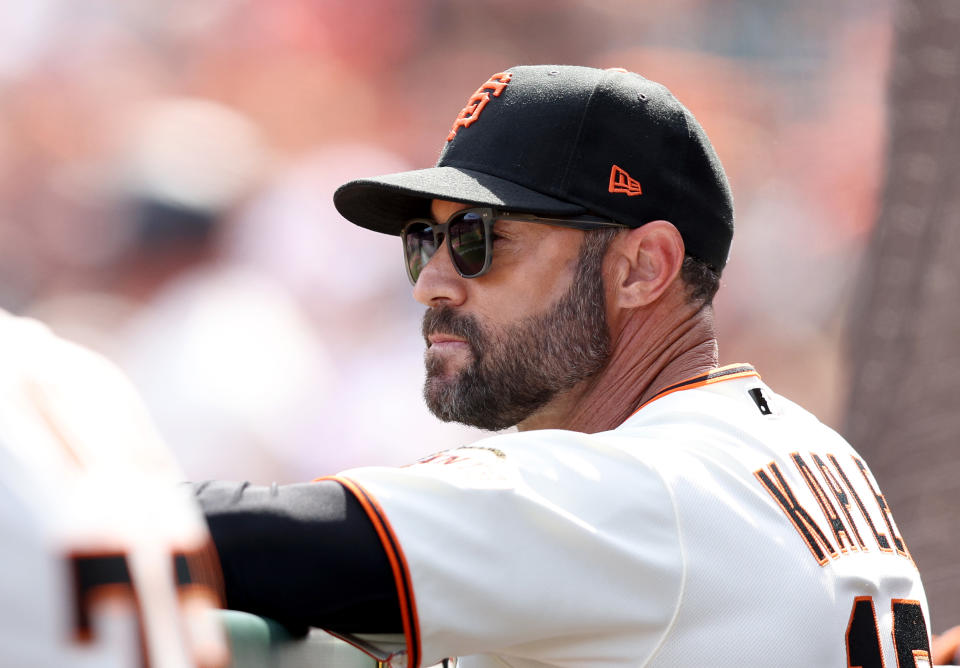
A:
(398, 563)
(729, 372)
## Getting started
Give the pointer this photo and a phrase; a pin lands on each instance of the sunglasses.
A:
(469, 237)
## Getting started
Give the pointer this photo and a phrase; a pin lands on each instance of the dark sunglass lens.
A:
(468, 242)
(418, 247)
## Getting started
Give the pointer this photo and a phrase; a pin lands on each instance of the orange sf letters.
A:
(478, 101)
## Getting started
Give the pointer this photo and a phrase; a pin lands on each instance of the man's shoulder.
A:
(738, 407)
(55, 392)
(547, 459)
(30, 348)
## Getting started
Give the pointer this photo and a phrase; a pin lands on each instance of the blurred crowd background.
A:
(166, 172)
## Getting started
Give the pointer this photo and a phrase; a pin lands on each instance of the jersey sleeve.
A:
(551, 546)
(303, 555)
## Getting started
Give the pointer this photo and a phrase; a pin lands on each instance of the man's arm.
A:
(303, 554)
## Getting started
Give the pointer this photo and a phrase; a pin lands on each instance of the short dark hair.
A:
(702, 280)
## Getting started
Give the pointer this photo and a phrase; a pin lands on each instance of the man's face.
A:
(503, 345)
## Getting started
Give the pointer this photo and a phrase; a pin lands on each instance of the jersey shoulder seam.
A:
(683, 573)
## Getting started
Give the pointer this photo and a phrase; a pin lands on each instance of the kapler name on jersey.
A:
(833, 483)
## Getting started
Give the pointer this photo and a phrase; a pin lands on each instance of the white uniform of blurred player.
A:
(105, 560)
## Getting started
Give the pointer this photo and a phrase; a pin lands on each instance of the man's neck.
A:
(648, 355)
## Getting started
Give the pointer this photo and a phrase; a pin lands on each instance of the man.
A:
(652, 509)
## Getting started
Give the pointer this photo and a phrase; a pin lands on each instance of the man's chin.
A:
(447, 364)
(440, 395)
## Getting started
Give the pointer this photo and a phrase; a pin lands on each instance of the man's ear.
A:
(644, 262)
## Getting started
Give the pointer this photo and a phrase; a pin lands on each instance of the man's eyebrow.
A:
(431, 216)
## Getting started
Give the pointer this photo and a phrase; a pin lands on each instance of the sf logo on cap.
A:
(478, 101)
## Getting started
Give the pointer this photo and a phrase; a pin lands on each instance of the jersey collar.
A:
(728, 372)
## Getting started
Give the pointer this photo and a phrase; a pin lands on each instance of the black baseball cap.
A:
(564, 141)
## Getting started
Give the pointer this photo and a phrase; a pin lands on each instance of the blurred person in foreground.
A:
(106, 561)
(653, 508)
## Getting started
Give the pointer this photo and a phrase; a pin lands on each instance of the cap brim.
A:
(385, 203)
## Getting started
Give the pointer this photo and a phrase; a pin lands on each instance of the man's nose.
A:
(439, 284)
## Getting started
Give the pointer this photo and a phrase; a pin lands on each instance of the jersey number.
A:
(101, 575)
(909, 635)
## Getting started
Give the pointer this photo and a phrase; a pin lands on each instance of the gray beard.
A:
(515, 372)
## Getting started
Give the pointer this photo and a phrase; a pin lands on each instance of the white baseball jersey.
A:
(720, 525)
(104, 558)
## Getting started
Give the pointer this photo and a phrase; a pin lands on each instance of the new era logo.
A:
(621, 182)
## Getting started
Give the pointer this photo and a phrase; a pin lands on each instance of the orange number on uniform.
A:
(100, 575)
(910, 638)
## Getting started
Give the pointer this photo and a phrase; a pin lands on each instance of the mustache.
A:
(446, 320)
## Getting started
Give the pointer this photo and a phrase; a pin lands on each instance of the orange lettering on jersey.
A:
(808, 529)
(842, 498)
(840, 531)
(464, 454)
(621, 182)
(898, 543)
(881, 539)
(443, 458)
(478, 102)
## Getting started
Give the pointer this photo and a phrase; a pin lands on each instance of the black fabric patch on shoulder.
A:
(757, 395)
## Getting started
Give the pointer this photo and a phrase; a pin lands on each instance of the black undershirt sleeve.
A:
(303, 554)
